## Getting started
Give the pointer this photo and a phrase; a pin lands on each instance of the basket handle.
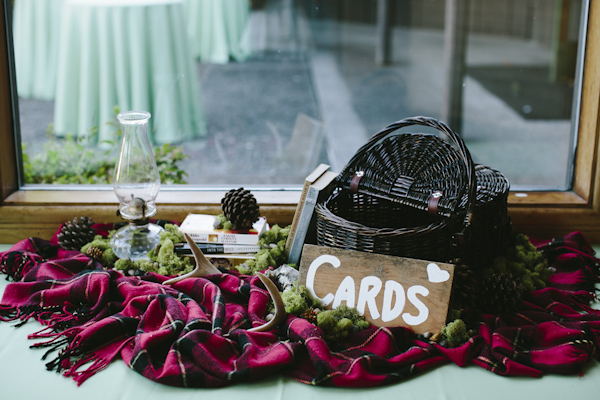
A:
(442, 127)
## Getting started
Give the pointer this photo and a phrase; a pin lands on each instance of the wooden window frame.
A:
(25, 213)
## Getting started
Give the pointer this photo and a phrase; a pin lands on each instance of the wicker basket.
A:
(491, 229)
(415, 195)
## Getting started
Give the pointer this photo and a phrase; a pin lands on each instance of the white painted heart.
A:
(436, 275)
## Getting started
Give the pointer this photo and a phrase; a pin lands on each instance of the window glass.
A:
(257, 93)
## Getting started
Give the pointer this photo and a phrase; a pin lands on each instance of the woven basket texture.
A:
(491, 232)
(382, 199)
(408, 167)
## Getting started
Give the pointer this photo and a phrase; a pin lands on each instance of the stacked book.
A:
(317, 187)
(223, 248)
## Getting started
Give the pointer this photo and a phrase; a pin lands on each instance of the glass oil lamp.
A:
(136, 183)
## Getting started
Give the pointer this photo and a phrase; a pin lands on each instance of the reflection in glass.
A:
(300, 83)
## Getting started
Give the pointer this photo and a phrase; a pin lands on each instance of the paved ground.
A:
(325, 71)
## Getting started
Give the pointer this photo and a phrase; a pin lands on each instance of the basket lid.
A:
(415, 169)
(491, 186)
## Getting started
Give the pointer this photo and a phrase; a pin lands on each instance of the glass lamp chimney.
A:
(136, 184)
(136, 181)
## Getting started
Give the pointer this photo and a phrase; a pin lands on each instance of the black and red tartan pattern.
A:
(194, 333)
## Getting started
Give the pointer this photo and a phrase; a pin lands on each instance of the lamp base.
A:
(135, 240)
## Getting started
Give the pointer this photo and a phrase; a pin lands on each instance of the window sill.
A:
(27, 213)
(39, 212)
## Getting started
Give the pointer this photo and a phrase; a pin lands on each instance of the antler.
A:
(280, 313)
(205, 267)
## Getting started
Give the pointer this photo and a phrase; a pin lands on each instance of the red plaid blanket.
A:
(195, 333)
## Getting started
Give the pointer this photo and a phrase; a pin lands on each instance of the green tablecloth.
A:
(128, 53)
(36, 26)
(217, 29)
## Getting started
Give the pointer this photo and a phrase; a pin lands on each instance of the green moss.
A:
(165, 262)
(78, 160)
(294, 302)
(299, 300)
(272, 251)
(108, 256)
(455, 332)
(172, 232)
(454, 313)
(123, 264)
(337, 324)
(99, 242)
(169, 262)
(222, 219)
(525, 262)
(311, 301)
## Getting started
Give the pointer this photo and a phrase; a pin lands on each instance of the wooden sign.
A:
(387, 290)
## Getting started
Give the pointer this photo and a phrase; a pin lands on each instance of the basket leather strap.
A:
(432, 204)
(356, 180)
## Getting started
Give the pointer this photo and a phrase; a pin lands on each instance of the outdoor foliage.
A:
(74, 160)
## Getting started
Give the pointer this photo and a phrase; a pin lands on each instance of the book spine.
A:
(303, 224)
(182, 248)
(228, 261)
(296, 219)
(223, 238)
(310, 179)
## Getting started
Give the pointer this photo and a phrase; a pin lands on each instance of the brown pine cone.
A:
(500, 293)
(94, 253)
(240, 208)
(310, 315)
(76, 233)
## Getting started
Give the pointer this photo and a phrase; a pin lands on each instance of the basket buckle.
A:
(432, 203)
(356, 180)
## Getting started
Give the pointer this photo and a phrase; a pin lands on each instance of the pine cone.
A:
(310, 315)
(500, 293)
(94, 253)
(76, 233)
(240, 208)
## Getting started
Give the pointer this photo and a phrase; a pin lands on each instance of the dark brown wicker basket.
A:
(363, 222)
(491, 232)
(386, 200)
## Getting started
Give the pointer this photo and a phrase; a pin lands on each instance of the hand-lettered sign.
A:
(387, 290)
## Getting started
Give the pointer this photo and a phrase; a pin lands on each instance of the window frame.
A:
(25, 213)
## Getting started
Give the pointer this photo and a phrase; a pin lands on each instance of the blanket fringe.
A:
(8, 313)
(68, 348)
(61, 329)
(98, 364)
(58, 329)
(24, 313)
(75, 362)
(54, 317)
